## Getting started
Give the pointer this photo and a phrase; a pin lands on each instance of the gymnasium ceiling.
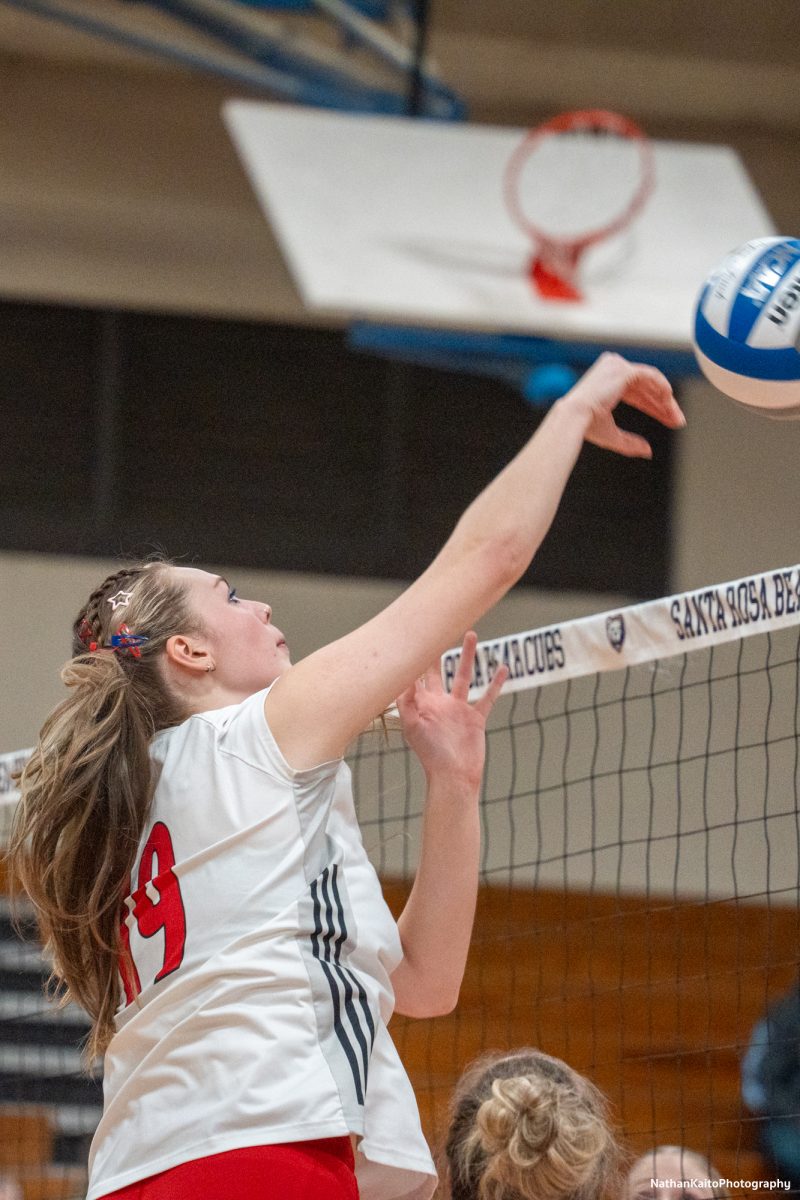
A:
(508, 55)
(119, 186)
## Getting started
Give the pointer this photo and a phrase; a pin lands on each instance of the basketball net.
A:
(573, 182)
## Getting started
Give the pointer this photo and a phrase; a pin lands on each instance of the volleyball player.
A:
(673, 1173)
(194, 781)
(525, 1126)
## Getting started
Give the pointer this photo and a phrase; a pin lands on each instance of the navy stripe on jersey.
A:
(345, 978)
(362, 995)
(339, 1029)
(323, 894)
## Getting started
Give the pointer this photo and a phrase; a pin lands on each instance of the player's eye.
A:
(232, 596)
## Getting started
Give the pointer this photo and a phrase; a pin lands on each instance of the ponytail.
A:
(87, 789)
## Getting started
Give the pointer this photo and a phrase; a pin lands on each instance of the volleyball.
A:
(747, 326)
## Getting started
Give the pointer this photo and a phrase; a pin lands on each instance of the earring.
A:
(211, 668)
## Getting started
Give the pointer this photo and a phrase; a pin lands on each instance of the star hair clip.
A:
(120, 600)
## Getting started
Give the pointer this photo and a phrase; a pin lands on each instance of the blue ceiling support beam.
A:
(376, 10)
(272, 62)
(542, 369)
(244, 75)
(323, 86)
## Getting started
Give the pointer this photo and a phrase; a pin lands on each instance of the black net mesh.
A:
(638, 912)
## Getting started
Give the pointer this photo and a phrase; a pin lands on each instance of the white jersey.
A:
(254, 1008)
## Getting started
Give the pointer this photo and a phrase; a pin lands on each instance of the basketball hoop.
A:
(574, 182)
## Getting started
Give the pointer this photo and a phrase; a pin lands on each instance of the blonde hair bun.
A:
(528, 1127)
(520, 1117)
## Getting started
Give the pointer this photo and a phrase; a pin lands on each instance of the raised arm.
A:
(448, 736)
(319, 705)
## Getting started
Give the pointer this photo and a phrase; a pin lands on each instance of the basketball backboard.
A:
(403, 222)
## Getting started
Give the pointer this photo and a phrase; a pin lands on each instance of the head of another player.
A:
(153, 644)
(525, 1125)
(663, 1171)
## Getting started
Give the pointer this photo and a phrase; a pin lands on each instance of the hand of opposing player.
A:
(445, 731)
(612, 379)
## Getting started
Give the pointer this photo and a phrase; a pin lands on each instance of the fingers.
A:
(610, 437)
(431, 681)
(463, 675)
(486, 703)
(649, 391)
(612, 378)
(643, 387)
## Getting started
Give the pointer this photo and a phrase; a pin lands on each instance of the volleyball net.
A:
(638, 912)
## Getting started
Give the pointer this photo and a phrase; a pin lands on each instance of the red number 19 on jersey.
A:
(157, 905)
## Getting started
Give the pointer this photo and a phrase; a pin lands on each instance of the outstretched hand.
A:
(612, 379)
(445, 731)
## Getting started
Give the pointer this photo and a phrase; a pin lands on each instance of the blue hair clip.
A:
(123, 639)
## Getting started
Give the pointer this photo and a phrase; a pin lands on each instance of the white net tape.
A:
(609, 641)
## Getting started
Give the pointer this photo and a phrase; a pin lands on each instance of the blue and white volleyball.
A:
(747, 326)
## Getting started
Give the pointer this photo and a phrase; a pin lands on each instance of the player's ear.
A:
(188, 654)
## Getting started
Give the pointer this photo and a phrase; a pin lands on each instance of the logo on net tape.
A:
(615, 631)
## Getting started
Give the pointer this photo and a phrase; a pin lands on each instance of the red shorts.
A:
(321, 1170)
